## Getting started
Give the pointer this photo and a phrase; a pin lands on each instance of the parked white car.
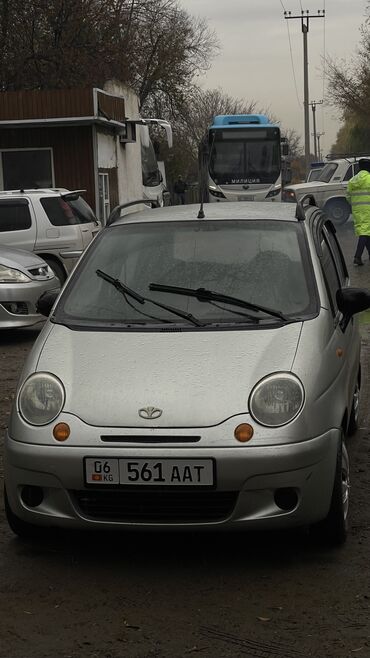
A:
(24, 277)
(329, 190)
(55, 224)
(196, 372)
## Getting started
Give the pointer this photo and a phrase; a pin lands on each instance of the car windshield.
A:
(261, 262)
(327, 172)
(313, 174)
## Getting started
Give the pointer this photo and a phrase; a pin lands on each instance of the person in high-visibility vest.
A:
(358, 195)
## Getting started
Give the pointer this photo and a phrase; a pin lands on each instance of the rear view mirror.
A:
(351, 301)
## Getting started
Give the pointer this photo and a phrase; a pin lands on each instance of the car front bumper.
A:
(256, 487)
(18, 302)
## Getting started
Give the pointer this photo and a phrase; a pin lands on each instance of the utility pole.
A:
(305, 23)
(313, 105)
(318, 144)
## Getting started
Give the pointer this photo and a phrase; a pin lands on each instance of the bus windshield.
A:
(240, 156)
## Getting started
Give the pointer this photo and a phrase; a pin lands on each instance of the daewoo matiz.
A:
(195, 373)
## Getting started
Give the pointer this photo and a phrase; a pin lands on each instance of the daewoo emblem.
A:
(150, 413)
(245, 187)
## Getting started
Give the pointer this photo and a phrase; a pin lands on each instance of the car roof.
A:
(214, 211)
(34, 192)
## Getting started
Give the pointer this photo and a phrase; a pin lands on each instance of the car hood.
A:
(197, 378)
(305, 187)
(11, 257)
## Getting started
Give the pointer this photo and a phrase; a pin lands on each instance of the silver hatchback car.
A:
(24, 277)
(196, 373)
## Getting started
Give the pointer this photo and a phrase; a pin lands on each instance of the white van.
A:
(55, 224)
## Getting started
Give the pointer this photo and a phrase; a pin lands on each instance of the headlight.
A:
(41, 398)
(277, 399)
(9, 275)
(216, 193)
(274, 192)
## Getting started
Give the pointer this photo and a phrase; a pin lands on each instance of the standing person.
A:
(180, 188)
(358, 195)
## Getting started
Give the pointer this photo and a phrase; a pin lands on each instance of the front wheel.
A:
(333, 529)
(355, 411)
(338, 210)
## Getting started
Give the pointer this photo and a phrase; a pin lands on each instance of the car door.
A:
(343, 344)
(17, 223)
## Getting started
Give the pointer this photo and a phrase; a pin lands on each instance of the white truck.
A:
(329, 190)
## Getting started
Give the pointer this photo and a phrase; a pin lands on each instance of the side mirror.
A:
(285, 148)
(351, 301)
(46, 303)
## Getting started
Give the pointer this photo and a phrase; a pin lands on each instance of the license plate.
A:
(246, 197)
(154, 472)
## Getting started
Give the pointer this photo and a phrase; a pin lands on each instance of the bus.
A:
(153, 172)
(245, 158)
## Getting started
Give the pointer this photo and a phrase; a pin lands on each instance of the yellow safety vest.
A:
(358, 195)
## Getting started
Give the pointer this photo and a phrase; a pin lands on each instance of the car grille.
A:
(157, 506)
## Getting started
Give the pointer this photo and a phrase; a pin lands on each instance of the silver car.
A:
(195, 373)
(24, 277)
(56, 224)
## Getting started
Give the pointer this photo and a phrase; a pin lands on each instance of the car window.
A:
(82, 210)
(263, 262)
(337, 255)
(349, 173)
(14, 215)
(331, 275)
(61, 212)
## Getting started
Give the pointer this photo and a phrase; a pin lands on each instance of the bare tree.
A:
(152, 45)
(349, 82)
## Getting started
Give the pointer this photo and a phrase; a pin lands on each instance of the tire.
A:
(338, 210)
(355, 411)
(333, 529)
(21, 528)
(57, 269)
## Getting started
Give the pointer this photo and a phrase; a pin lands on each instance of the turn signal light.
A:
(243, 432)
(61, 432)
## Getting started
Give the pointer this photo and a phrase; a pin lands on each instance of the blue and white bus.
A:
(244, 158)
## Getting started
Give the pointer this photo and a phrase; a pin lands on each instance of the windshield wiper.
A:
(204, 295)
(125, 290)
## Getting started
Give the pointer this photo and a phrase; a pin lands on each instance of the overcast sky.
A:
(255, 62)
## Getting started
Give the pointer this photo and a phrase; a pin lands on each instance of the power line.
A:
(293, 69)
(291, 59)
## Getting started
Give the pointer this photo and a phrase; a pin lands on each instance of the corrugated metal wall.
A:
(21, 105)
(72, 154)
